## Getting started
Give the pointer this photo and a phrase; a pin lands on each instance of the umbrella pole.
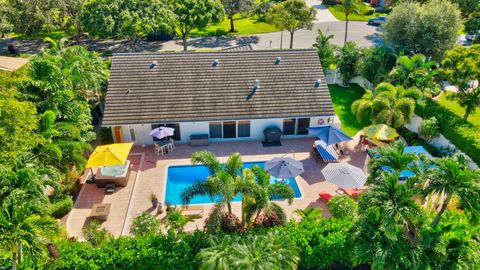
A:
(92, 178)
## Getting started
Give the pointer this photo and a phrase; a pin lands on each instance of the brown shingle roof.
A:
(185, 86)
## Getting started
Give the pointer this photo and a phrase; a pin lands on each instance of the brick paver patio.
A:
(149, 175)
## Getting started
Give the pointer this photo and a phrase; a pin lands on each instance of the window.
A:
(288, 126)
(229, 129)
(132, 135)
(243, 128)
(176, 134)
(215, 130)
(302, 125)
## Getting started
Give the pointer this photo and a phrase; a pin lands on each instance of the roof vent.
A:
(278, 60)
(153, 64)
(255, 88)
(215, 63)
(318, 83)
(128, 92)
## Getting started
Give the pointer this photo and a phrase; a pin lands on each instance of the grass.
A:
(342, 98)
(453, 106)
(337, 11)
(243, 26)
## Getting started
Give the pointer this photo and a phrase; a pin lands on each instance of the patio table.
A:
(100, 211)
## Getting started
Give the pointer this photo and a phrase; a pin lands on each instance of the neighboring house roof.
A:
(187, 87)
(245, 47)
(12, 63)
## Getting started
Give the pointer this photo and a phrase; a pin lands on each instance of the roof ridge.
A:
(211, 52)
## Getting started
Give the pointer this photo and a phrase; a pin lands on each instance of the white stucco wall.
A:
(257, 126)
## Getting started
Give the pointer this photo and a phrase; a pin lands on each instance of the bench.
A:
(199, 140)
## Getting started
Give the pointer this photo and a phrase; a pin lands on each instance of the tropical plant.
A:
(393, 157)
(342, 207)
(390, 105)
(428, 129)
(460, 67)
(260, 192)
(349, 7)
(451, 178)
(394, 206)
(348, 61)
(377, 64)
(130, 19)
(234, 7)
(309, 214)
(250, 252)
(292, 15)
(191, 14)
(223, 180)
(95, 234)
(175, 221)
(325, 49)
(145, 224)
(416, 71)
(21, 230)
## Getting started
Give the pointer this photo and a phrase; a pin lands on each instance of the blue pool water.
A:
(181, 177)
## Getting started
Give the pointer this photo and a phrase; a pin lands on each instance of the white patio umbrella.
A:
(344, 175)
(162, 132)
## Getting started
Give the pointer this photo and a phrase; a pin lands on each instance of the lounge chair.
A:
(353, 192)
(325, 196)
(192, 210)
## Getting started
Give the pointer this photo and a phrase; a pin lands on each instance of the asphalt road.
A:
(359, 32)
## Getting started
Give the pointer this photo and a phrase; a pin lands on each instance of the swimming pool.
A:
(181, 177)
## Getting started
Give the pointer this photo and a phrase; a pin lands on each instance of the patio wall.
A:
(257, 126)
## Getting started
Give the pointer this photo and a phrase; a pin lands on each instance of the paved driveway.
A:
(323, 15)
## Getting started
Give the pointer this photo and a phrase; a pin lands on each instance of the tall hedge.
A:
(159, 252)
(325, 243)
(461, 133)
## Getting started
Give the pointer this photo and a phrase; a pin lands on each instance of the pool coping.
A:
(164, 195)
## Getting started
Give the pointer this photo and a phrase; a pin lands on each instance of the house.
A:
(227, 95)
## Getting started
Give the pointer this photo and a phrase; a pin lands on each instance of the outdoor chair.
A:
(325, 196)
(109, 188)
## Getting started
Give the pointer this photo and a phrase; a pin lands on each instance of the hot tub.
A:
(115, 174)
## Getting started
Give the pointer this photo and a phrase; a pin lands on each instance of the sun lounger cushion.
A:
(325, 195)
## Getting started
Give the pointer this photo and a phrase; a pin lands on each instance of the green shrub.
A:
(342, 207)
(462, 134)
(60, 206)
(156, 252)
(95, 234)
(145, 224)
(368, 11)
(323, 244)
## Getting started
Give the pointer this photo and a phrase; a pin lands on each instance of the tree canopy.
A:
(234, 7)
(429, 28)
(130, 19)
(292, 15)
(191, 14)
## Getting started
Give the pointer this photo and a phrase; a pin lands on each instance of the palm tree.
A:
(309, 214)
(223, 181)
(175, 221)
(349, 7)
(394, 157)
(452, 177)
(22, 230)
(250, 252)
(469, 99)
(395, 205)
(258, 197)
(414, 71)
(390, 105)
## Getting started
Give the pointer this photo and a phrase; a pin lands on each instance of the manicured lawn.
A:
(453, 106)
(337, 11)
(243, 26)
(342, 98)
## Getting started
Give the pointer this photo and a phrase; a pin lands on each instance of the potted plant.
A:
(154, 199)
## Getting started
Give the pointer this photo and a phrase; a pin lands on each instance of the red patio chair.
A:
(325, 195)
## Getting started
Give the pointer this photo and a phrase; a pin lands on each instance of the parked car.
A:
(470, 36)
(377, 20)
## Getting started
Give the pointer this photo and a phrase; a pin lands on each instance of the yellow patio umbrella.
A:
(110, 154)
(380, 132)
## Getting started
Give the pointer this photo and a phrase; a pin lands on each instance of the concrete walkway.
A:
(323, 14)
